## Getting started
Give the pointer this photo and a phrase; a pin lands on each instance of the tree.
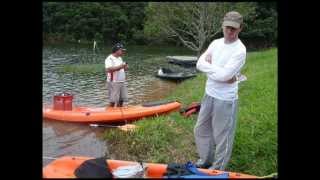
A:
(192, 23)
(107, 21)
(261, 25)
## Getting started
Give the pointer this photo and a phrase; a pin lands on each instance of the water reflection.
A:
(61, 138)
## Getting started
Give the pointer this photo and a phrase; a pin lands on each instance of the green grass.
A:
(156, 140)
(150, 56)
(166, 139)
(135, 62)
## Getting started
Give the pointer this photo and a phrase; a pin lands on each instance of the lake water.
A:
(89, 89)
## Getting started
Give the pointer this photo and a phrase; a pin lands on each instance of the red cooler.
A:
(63, 102)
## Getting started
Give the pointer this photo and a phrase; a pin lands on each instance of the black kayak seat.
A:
(94, 168)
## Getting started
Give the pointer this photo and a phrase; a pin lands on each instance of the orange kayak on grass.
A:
(64, 167)
(109, 114)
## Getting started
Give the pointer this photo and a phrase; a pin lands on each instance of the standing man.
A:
(215, 128)
(116, 77)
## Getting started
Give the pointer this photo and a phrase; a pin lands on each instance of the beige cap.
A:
(233, 19)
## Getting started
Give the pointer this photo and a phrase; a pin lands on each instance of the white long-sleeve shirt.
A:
(227, 61)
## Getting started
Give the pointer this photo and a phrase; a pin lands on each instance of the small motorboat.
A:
(186, 61)
(168, 74)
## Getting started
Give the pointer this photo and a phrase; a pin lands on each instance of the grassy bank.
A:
(170, 138)
(150, 56)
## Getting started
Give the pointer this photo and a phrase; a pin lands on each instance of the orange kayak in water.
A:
(110, 114)
(65, 167)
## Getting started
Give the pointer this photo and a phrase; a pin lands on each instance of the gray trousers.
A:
(117, 92)
(214, 131)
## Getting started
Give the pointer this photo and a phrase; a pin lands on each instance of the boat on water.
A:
(109, 114)
(168, 74)
(186, 61)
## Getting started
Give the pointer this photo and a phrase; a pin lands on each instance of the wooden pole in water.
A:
(94, 45)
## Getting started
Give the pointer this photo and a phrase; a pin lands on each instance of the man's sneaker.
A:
(201, 164)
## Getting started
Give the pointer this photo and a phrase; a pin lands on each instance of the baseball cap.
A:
(233, 19)
(118, 46)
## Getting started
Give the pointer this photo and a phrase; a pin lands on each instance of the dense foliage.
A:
(101, 21)
(261, 26)
(134, 23)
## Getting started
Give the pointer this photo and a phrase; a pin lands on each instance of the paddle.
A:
(51, 158)
(126, 127)
(194, 107)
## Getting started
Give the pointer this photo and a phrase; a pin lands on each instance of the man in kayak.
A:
(116, 77)
(215, 128)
